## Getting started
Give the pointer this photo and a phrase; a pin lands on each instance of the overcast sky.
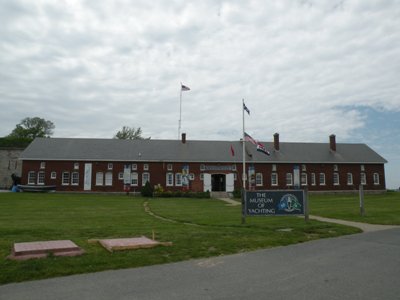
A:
(306, 69)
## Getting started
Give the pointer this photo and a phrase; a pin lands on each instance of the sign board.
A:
(271, 203)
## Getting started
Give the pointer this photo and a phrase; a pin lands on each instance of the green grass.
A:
(217, 230)
(379, 209)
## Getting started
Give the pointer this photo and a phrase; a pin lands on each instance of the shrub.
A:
(147, 190)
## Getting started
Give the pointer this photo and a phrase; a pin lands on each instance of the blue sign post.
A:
(276, 203)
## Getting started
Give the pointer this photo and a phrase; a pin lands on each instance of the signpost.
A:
(275, 203)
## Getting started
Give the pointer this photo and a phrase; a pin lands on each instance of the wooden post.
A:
(362, 210)
(306, 213)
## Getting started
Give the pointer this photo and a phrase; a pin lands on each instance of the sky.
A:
(305, 69)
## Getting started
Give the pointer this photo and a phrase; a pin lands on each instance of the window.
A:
(191, 176)
(65, 178)
(201, 176)
(109, 179)
(169, 179)
(289, 179)
(134, 179)
(335, 168)
(202, 167)
(234, 176)
(321, 178)
(43, 165)
(76, 166)
(362, 168)
(178, 179)
(121, 176)
(146, 167)
(274, 179)
(274, 167)
(363, 179)
(303, 168)
(259, 179)
(376, 178)
(75, 178)
(40, 178)
(349, 179)
(99, 178)
(303, 179)
(234, 168)
(145, 178)
(169, 167)
(313, 180)
(53, 175)
(336, 179)
(109, 166)
(134, 167)
(31, 177)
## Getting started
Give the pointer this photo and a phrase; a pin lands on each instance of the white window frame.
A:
(134, 179)
(145, 178)
(145, 167)
(99, 178)
(201, 176)
(169, 179)
(303, 179)
(108, 179)
(363, 178)
(273, 167)
(53, 175)
(121, 176)
(322, 179)
(169, 167)
(303, 168)
(178, 179)
(289, 179)
(376, 178)
(362, 167)
(234, 168)
(40, 178)
(234, 176)
(335, 168)
(259, 179)
(76, 166)
(110, 166)
(134, 167)
(191, 176)
(43, 165)
(75, 178)
(31, 177)
(202, 167)
(274, 179)
(349, 179)
(313, 179)
(336, 179)
(65, 177)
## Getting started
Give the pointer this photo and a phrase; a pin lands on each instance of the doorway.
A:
(218, 182)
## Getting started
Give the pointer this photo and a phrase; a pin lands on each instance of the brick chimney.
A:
(183, 138)
(332, 142)
(276, 141)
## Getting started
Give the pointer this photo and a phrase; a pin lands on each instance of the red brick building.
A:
(72, 164)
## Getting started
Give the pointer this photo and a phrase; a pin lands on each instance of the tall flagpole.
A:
(180, 113)
(244, 156)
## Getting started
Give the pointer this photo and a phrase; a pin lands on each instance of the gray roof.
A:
(85, 149)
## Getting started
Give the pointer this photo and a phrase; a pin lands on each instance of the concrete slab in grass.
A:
(130, 243)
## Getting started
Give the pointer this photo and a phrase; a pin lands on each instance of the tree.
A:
(30, 128)
(129, 133)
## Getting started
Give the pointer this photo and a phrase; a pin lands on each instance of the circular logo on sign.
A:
(289, 203)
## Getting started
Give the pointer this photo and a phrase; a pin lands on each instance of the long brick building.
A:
(107, 165)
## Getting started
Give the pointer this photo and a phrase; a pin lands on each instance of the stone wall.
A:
(9, 164)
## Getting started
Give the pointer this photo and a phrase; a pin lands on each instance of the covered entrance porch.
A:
(219, 182)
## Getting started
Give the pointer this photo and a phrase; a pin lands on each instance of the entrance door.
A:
(230, 185)
(218, 182)
(207, 182)
(87, 180)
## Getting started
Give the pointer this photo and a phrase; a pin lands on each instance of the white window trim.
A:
(322, 175)
(40, 175)
(145, 174)
(349, 176)
(99, 175)
(134, 176)
(53, 175)
(178, 179)
(76, 166)
(273, 167)
(121, 176)
(145, 167)
(201, 176)
(107, 181)
(303, 175)
(168, 176)
(110, 166)
(376, 176)
(202, 167)
(191, 176)
(134, 167)
(335, 168)
(72, 178)
(259, 177)
(43, 165)
(63, 177)
(169, 167)
(338, 179)
(291, 179)
(276, 179)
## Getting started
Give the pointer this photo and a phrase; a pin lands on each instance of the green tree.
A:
(129, 133)
(30, 128)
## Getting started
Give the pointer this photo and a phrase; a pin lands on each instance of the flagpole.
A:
(243, 149)
(180, 113)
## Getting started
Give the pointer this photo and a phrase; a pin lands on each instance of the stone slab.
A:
(28, 250)
(129, 243)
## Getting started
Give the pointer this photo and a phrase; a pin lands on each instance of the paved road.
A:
(360, 266)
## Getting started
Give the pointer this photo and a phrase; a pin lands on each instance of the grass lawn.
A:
(198, 228)
(379, 209)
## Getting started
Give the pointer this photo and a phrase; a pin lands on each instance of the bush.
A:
(182, 194)
(237, 194)
(147, 190)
